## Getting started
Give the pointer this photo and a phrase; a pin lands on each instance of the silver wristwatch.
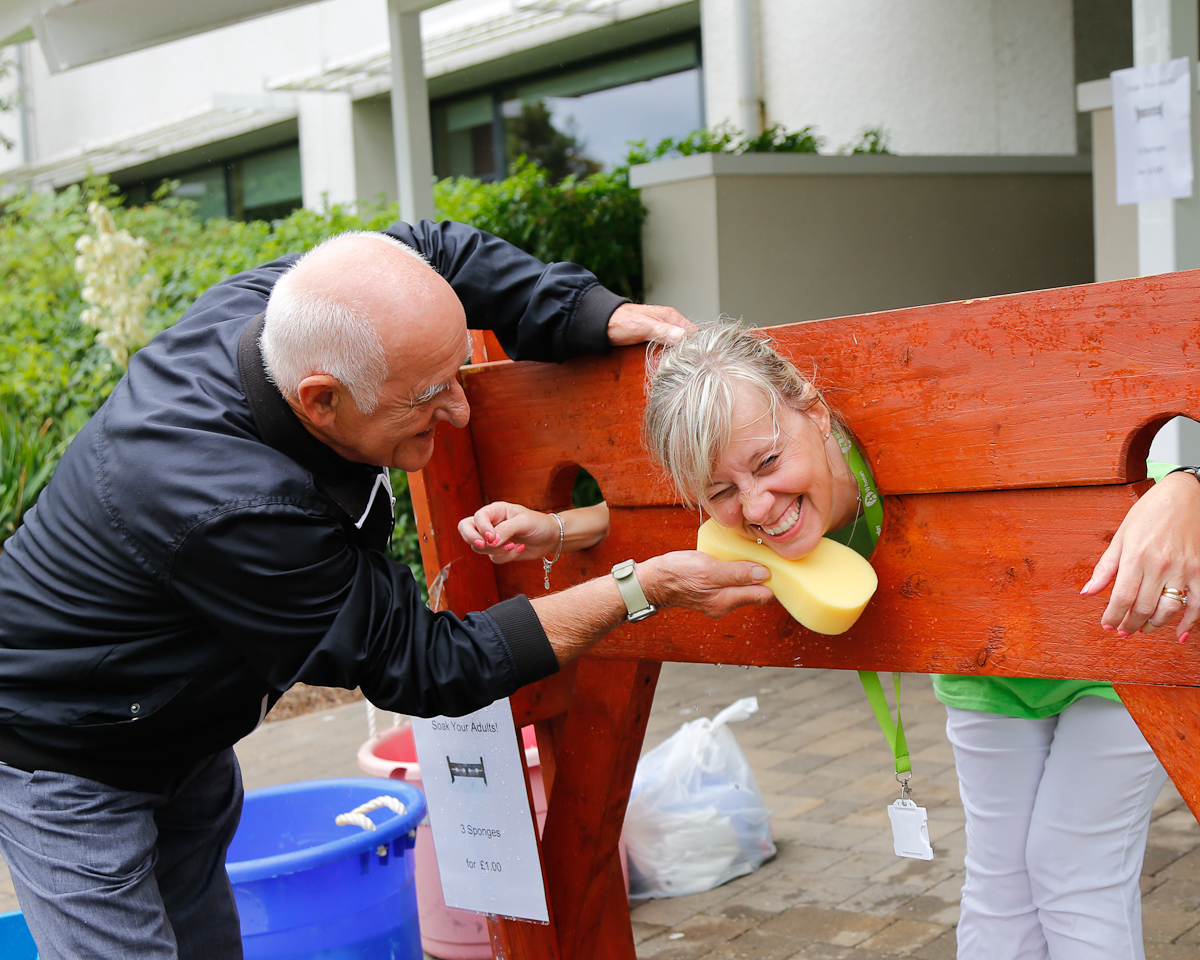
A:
(636, 605)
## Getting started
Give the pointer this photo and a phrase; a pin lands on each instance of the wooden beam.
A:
(1050, 388)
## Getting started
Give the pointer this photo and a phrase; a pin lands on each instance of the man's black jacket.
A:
(197, 551)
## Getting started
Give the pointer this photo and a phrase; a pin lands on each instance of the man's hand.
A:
(639, 322)
(691, 579)
(1156, 546)
(578, 617)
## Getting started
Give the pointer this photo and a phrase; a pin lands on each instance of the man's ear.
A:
(319, 396)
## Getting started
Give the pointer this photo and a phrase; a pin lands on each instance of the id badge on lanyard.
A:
(910, 823)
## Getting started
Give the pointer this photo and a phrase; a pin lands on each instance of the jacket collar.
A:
(352, 486)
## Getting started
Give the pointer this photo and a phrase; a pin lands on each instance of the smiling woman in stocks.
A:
(1056, 780)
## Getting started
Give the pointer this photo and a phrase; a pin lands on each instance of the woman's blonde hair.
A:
(691, 388)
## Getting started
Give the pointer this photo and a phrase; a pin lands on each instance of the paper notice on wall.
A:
(483, 828)
(1152, 113)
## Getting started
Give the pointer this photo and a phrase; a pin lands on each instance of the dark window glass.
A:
(207, 189)
(464, 137)
(271, 184)
(259, 186)
(575, 120)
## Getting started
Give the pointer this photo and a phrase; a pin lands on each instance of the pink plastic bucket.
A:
(447, 933)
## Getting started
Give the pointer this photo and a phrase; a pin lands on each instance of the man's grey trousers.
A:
(112, 874)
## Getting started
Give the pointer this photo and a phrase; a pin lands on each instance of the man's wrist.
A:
(637, 606)
(650, 579)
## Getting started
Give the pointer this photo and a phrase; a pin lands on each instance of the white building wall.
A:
(150, 88)
(942, 76)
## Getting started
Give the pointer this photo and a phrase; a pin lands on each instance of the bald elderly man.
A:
(216, 533)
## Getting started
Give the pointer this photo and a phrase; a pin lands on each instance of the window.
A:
(258, 186)
(577, 120)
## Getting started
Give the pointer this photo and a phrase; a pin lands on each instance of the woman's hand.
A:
(508, 531)
(1157, 546)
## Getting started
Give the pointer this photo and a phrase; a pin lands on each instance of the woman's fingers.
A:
(1157, 547)
(1105, 569)
(1190, 612)
(1166, 611)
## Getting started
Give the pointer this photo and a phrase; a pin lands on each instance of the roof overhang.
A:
(72, 33)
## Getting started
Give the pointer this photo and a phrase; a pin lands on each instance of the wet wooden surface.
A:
(1008, 435)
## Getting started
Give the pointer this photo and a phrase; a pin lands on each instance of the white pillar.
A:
(750, 103)
(326, 149)
(374, 151)
(1169, 230)
(410, 115)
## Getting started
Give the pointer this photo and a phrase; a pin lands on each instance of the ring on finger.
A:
(1174, 594)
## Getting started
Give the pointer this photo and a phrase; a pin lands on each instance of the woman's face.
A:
(779, 488)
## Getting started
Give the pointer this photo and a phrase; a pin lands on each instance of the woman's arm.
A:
(1156, 547)
(508, 531)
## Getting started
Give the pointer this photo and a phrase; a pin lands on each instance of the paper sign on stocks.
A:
(825, 591)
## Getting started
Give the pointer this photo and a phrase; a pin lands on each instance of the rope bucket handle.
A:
(358, 816)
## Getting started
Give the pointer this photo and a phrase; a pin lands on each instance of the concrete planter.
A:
(778, 238)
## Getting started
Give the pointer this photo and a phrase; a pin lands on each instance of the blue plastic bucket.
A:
(15, 941)
(308, 889)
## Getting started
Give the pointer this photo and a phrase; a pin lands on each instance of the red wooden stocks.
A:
(964, 410)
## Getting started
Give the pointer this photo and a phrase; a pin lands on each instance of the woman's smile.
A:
(786, 524)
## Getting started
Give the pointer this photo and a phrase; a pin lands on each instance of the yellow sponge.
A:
(826, 591)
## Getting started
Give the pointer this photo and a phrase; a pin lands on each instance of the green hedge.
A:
(53, 374)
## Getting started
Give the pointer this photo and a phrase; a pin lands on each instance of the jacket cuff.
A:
(589, 328)
(532, 655)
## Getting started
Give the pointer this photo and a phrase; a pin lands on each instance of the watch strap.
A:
(625, 573)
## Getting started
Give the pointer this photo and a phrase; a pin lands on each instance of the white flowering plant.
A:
(117, 297)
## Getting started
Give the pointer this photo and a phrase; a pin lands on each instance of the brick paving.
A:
(835, 891)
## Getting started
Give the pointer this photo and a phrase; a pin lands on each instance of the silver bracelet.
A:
(562, 535)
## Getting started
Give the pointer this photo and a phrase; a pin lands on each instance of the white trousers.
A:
(1057, 816)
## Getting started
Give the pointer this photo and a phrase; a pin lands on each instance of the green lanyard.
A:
(893, 732)
(864, 541)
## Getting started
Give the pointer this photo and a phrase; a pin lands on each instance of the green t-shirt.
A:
(1029, 698)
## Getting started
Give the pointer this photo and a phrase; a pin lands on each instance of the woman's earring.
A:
(758, 541)
(826, 436)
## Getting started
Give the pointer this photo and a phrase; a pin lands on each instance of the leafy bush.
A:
(54, 374)
(28, 454)
(595, 221)
(871, 140)
(774, 139)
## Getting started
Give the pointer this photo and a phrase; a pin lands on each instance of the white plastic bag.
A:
(696, 817)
